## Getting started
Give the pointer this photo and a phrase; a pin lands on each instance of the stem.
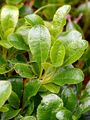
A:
(86, 17)
(46, 6)
(4, 53)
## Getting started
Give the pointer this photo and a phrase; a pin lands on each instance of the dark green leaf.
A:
(14, 100)
(17, 86)
(10, 114)
(69, 98)
(31, 89)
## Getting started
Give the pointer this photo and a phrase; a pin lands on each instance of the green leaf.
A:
(86, 91)
(84, 106)
(49, 72)
(74, 46)
(10, 114)
(31, 89)
(5, 68)
(68, 76)
(25, 10)
(59, 19)
(4, 108)
(13, 2)
(17, 41)
(5, 44)
(5, 91)
(64, 114)
(14, 100)
(23, 31)
(34, 19)
(48, 107)
(9, 17)
(69, 98)
(39, 41)
(30, 108)
(57, 53)
(17, 86)
(28, 118)
(52, 87)
(2, 60)
(24, 70)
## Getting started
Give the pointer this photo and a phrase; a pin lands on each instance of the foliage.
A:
(38, 77)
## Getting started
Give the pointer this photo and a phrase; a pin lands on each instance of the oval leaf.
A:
(24, 31)
(9, 17)
(13, 2)
(68, 76)
(69, 98)
(23, 70)
(34, 19)
(31, 89)
(57, 54)
(64, 114)
(14, 100)
(74, 46)
(17, 41)
(39, 41)
(59, 19)
(48, 107)
(5, 91)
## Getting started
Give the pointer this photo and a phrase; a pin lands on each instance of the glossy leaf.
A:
(48, 107)
(2, 60)
(17, 41)
(5, 44)
(17, 86)
(34, 19)
(39, 41)
(24, 70)
(85, 105)
(68, 76)
(69, 98)
(52, 87)
(30, 108)
(28, 118)
(23, 31)
(31, 89)
(59, 19)
(57, 54)
(9, 17)
(74, 46)
(13, 2)
(86, 91)
(14, 100)
(5, 91)
(10, 114)
(64, 114)
(4, 108)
